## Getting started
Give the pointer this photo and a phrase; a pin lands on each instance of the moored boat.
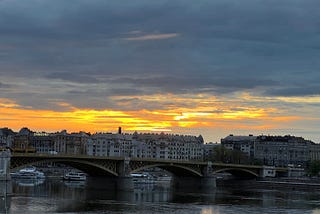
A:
(29, 172)
(142, 178)
(75, 176)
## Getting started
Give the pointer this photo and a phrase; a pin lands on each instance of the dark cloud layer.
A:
(295, 91)
(185, 84)
(2, 85)
(218, 47)
(69, 76)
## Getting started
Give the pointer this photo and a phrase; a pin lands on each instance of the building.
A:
(241, 143)
(68, 143)
(42, 142)
(60, 142)
(52, 143)
(151, 146)
(283, 151)
(110, 145)
(76, 143)
(314, 151)
(6, 137)
(172, 147)
(280, 151)
(22, 141)
(208, 150)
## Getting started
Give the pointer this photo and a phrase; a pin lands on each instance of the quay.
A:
(275, 184)
(290, 183)
(5, 157)
(5, 181)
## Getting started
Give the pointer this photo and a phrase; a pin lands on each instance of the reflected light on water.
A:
(209, 210)
(316, 211)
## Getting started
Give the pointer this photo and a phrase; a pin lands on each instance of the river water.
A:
(57, 196)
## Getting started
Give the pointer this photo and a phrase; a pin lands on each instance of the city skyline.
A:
(209, 68)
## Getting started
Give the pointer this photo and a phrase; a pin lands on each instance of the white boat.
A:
(75, 176)
(142, 178)
(29, 172)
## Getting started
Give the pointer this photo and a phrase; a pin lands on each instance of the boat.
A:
(74, 176)
(142, 178)
(30, 172)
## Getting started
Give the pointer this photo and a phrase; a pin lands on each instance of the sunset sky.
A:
(209, 67)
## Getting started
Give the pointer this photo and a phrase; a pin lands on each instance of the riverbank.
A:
(305, 184)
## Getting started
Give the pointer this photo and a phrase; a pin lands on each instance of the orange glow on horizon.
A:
(201, 112)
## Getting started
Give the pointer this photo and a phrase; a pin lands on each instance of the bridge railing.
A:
(59, 155)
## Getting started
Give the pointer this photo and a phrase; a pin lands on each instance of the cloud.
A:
(3, 85)
(295, 91)
(123, 55)
(73, 77)
(193, 84)
(153, 37)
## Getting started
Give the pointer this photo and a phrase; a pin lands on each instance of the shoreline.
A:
(274, 184)
(291, 183)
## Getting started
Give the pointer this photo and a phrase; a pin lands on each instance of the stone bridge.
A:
(120, 167)
(112, 166)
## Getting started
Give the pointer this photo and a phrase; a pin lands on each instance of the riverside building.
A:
(209, 150)
(110, 145)
(151, 146)
(268, 150)
(6, 137)
(241, 143)
(52, 143)
(281, 151)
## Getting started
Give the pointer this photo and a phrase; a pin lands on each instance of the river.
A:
(57, 196)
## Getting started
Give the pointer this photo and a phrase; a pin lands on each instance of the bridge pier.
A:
(5, 165)
(194, 183)
(206, 182)
(111, 183)
(124, 181)
(5, 195)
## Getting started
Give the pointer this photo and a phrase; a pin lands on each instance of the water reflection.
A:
(209, 210)
(5, 193)
(29, 182)
(75, 184)
(100, 195)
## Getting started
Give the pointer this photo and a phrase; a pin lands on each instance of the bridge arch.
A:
(86, 166)
(175, 169)
(238, 172)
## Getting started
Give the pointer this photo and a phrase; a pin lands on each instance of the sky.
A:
(208, 67)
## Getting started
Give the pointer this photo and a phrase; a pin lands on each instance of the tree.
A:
(224, 155)
(314, 168)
